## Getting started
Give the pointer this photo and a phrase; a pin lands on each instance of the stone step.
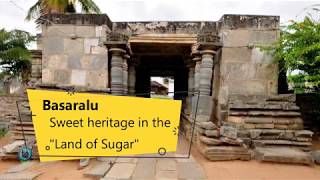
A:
(283, 155)
(259, 143)
(265, 113)
(264, 106)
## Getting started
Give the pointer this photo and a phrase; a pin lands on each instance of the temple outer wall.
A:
(74, 54)
(242, 67)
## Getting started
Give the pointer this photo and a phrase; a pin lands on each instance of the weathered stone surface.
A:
(60, 30)
(230, 38)
(259, 56)
(89, 43)
(57, 62)
(240, 54)
(166, 165)
(30, 175)
(209, 141)
(238, 71)
(170, 175)
(85, 31)
(122, 171)
(187, 170)
(145, 169)
(224, 153)
(73, 46)
(212, 133)
(283, 155)
(97, 79)
(99, 170)
(62, 76)
(207, 125)
(263, 37)
(316, 156)
(258, 143)
(21, 167)
(53, 45)
(106, 159)
(127, 160)
(78, 77)
(228, 131)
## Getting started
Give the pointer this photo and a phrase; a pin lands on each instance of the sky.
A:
(13, 12)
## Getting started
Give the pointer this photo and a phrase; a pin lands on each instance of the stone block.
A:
(207, 125)
(99, 170)
(235, 38)
(74, 61)
(236, 54)
(228, 131)
(78, 77)
(90, 43)
(62, 76)
(146, 168)
(53, 45)
(189, 170)
(259, 56)
(61, 30)
(94, 62)
(283, 155)
(121, 171)
(266, 71)
(169, 175)
(209, 140)
(57, 62)
(166, 165)
(263, 37)
(212, 133)
(73, 46)
(99, 50)
(97, 79)
(238, 71)
(47, 75)
(247, 87)
(85, 31)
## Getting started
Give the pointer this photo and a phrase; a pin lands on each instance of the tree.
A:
(60, 7)
(14, 55)
(298, 49)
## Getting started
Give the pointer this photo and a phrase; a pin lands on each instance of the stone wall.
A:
(8, 110)
(243, 67)
(74, 53)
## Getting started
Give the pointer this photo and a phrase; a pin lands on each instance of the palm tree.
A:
(60, 7)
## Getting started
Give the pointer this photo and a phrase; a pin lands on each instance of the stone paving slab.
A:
(20, 176)
(21, 167)
(120, 171)
(99, 170)
(190, 170)
(283, 155)
(145, 169)
(166, 165)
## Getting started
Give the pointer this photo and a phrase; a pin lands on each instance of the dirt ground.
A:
(225, 170)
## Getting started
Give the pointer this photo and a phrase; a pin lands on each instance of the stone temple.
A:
(228, 84)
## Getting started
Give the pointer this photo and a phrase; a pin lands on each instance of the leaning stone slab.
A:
(21, 167)
(190, 170)
(121, 171)
(99, 170)
(20, 176)
(283, 155)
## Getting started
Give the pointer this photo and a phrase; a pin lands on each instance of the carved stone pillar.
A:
(197, 60)
(125, 74)
(132, 79)
(206, 71)
(191, 80)
(117, 71)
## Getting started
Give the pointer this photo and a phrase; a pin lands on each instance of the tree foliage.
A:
(298, 49)
(14, 55)
(61, 6)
